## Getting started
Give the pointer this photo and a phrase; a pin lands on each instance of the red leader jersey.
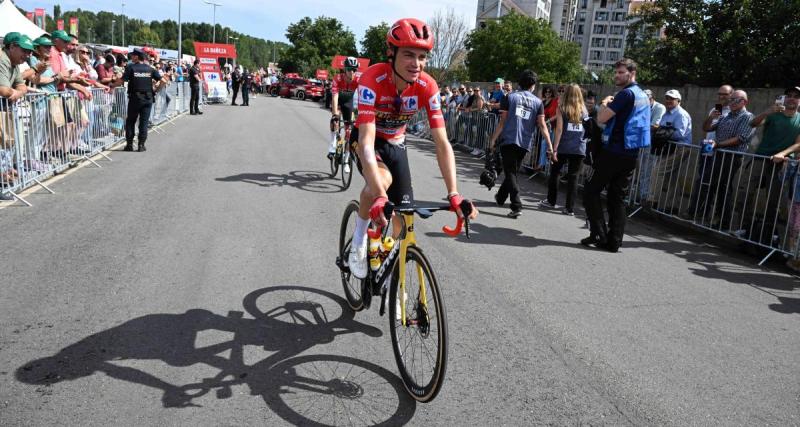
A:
(340, 84)
(379, 103)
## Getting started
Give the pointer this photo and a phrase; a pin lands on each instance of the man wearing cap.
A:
(675, 127)
(781, 124)
(44, 79)
(16, 50)
(141, 95)
(497, 95)
(60, 53)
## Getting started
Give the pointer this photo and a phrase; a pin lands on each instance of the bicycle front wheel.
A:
(347, 172)
(420, 345)
(335, 164)
(352, 285)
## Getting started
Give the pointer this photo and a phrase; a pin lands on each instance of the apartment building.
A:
(494, 9)
(562, 18)
(601, 30)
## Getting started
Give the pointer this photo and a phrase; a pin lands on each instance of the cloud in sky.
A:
(269, 20)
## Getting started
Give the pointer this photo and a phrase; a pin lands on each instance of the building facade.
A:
(601, 30)
(562, 18)
(493, 9)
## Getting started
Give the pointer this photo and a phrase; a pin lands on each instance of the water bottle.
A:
(708, 147)
(374, 253)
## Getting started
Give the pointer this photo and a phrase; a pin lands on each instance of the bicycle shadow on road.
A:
(313, 181)
(295, 319)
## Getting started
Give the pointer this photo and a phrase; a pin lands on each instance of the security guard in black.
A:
(141, 96)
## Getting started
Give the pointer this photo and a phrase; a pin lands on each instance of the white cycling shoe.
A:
(357, 261)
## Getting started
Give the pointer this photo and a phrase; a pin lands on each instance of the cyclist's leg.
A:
(334, 137)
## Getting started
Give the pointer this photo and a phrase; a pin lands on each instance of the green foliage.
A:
(374, 43)
(145, 36)
(315, 43)
(748, 43)
(96, 28)
(515, 43)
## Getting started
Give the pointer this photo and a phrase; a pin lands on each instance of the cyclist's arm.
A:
(335, 104)
(445, 158)
(369, 163)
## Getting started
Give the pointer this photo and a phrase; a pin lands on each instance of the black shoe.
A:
(199, 112)
(141, 148)
(611, 247)
(514, 214)
(330, 156)
(500, 202)
(128, 147)
(593, 240)
(233, 103)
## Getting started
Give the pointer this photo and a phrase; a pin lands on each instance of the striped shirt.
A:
(735, 124)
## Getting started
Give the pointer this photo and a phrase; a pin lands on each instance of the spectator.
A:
(246, 80)
(733, 134)
(550, 100)
(781, 128)
(657, 110)
(794, 208)
(626, 117)
(89, 75)
(570, 147)
(236, 82)
(478, 101)
(594, 133)
(16, 50)
(457, 98)
(497, 95)
(105, 72)
(520, 114)
(674, 128)
(194, 86)
(723, 99)
(40, 62)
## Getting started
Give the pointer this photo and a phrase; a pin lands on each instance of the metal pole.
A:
(214, 28)
(123, 23)
(113, 24)
(180, 37)
(499, 3)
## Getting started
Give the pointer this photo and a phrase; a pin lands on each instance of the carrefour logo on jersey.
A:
(366, 95)
(410, 103)
(434, 103)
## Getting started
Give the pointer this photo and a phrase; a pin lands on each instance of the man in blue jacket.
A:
(627, 129)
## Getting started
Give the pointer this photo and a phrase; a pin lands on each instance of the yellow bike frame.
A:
(409, 238)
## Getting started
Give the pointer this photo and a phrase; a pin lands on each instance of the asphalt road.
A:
(194, 284)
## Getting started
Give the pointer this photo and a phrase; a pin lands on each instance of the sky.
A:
(268, 19)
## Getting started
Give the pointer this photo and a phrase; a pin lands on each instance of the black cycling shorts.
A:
(395, 157)
(347, 112)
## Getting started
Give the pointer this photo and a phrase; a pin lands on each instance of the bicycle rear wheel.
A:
(352, 285)
(347, 172)
(420, 347)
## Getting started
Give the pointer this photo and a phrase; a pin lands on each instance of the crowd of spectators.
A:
(736, 186)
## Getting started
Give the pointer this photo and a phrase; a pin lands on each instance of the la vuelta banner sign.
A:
(209, 55)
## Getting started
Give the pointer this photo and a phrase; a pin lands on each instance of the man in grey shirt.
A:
(657, 111)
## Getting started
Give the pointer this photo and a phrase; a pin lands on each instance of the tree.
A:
(748, 43)
(449, 34)
(315, 43)
(373, 45)
(147, 36)
(515, 43)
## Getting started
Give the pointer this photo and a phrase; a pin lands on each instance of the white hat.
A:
(674, 94)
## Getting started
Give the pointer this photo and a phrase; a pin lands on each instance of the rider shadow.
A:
(300, 318)
(312, 181)
(483, 234)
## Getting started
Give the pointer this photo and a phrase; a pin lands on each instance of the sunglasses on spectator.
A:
(723, 93)
(736, 100)
(85, 51)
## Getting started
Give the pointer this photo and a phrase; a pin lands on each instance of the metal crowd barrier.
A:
(44, 134)
(740, 195)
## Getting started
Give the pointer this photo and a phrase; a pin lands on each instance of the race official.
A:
(141, 95)
(194, 85)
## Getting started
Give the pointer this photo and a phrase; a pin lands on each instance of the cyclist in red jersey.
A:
(342, 91)
(389, 95)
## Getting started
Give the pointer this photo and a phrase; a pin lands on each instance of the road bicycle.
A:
(406, 284)
(343, 157)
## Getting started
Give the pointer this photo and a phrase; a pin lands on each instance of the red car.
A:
(301, 89)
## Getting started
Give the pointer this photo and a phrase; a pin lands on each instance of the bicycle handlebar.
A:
(427, 212)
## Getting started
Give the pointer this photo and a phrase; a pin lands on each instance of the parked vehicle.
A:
(299, 88)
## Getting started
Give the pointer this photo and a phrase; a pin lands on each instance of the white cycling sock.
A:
(332, 146)
(360, 234)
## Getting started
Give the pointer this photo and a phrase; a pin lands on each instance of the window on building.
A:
(601, 16)
(617, 29)
(620, 4)
(612, 56)
(580, 30)
(584, 4)
(582, 16)
(615, 43)
(603, 3)
(619, 16)
(598, 42)
(599, 29)
(596, 55)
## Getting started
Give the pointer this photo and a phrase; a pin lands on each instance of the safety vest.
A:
(637, 128)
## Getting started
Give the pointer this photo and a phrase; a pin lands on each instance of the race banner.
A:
(38, 17)
(322, 74)
(73, 25)
(29, 15)
(60, 24)
(209, 55)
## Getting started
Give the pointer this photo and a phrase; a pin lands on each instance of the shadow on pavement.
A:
(286, 321)
(313, 181)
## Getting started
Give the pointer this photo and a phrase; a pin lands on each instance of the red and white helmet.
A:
(410, 32)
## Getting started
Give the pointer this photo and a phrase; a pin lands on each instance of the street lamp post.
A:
(113, 24)
(180, 37)
(214, 28)
(227, 39)
(123, 23)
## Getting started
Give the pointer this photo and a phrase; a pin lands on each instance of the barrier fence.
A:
(43, 134)
(737, 194)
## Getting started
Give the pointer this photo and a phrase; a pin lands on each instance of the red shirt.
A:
(340, 83)
(379, 103)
